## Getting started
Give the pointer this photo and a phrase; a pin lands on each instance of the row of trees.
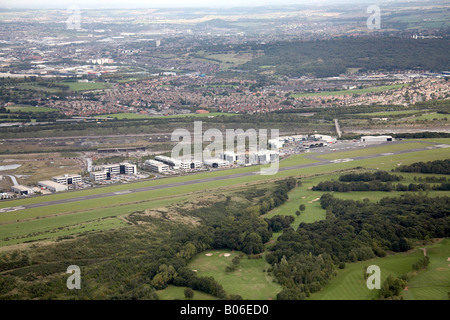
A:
(338, 186)
(370, 176)
(437, 167)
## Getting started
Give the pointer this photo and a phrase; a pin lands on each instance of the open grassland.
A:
(441, 141)
(433, 116)
(302, 195)
(75, 223)
(177, 293)
(134, 116)
(374, 150)
(30, 109)
(389, 113)
(76, 86)
(250, 280)
(30, 172)
(432, 283)
(349, 92)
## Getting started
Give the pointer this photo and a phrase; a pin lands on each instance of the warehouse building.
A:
(179, 164)
(169, 161)
(68, 179)
(52, 186)
(22, 190)
(376, 139)
(322, 137)
(216, 163)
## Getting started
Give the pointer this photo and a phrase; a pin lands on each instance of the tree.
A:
(302, 207)
(297, 213)
(188, 293)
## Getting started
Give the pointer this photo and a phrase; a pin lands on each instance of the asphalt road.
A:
(320, 162)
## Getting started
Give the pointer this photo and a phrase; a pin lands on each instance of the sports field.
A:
(432, 283)
(250, 280)
(177, 293)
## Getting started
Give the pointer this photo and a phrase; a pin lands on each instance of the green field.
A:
(135, 116)
(347, 92)
(390, 113)
(177, 293)
(432, 283)
(79, 86)
(249, 280)
(31, 109)
(374, 150)
(298, 196)
(314, 212)
(432, 116)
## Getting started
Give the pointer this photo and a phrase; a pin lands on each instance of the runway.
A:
(320, 162)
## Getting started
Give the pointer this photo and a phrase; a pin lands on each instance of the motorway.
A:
(321, 162)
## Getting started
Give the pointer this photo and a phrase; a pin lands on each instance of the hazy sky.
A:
(154, 3)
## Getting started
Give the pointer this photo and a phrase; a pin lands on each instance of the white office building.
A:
(98, 176)
(156, 166)
(120, 168)
(68, 179)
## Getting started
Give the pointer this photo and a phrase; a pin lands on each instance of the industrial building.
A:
(232, 157)
(68, 179)
(321, 137)
(169, 161)
(376, 139)
(52, 186)
(216, 163)
(22, 190)
(156, 166)
(263, 157)
(179, 164)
